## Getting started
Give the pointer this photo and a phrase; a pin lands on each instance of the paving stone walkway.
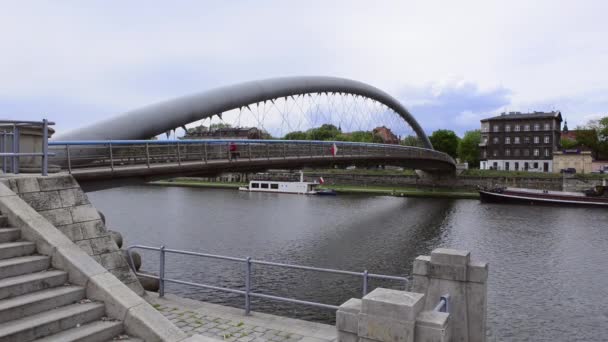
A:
(230, 324)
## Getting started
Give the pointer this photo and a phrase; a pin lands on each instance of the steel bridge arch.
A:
(155, 119)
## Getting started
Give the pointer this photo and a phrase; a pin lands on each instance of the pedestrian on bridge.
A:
(234, 154)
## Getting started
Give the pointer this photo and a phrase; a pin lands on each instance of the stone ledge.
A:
(144, 321)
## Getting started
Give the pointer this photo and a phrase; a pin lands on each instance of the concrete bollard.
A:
(450, 271)
(347, 320)
(432, 326)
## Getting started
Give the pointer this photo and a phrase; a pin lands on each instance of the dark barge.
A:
(596, 197)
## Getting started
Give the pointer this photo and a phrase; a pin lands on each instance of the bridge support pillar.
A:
(445, 178)
(451, 272)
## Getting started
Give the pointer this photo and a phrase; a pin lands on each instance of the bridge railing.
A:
(248, 264)
(123, 153)
(10, 144)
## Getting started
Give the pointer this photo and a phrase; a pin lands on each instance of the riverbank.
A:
(352, 189)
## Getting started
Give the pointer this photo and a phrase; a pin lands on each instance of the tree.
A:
(446, 141)
(219, 125)
(588, 138)
(411, 140)
(568, 143)
(468, 149)
(325, 132)
(297, 135)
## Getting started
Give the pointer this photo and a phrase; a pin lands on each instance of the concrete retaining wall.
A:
(60, 200)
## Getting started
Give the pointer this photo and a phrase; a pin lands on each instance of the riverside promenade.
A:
(229, 324)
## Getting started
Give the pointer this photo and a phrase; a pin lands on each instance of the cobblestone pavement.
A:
(192, 322)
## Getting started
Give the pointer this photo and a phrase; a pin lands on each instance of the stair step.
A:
(39, 301)
(16, 249)
(50, 322)
(9, 234)
(23, 265)
(3, 220)
(92, 332)
(27, 283)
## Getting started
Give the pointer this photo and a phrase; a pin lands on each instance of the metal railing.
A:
(9, 144)
(444, 304)
(248, 262)
(119, 153)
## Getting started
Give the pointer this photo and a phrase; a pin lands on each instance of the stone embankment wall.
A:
(62, 202)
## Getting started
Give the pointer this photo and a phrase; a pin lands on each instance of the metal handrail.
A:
(13, 153)
(444, 304)
(248, 261)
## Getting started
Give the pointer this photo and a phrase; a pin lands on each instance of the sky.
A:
(451, 63)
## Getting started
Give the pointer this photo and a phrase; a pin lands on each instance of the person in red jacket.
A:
(234, 154)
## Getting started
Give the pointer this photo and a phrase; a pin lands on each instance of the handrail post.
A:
(161, 274)
(148, 155)
(67, 152)
(3, 149)
(45, 147)
(249, 150)
(365, 277)
(15, 149)
(247, 285)
(111, 157)
(206, 157)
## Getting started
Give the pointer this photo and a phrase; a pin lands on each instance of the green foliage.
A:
(446, 141)
(297, 135)
(325, 132)
(411, 140)
(219, 125)
(468, 149)
(568, 143)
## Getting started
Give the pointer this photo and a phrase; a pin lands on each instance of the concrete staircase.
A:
(37, 303)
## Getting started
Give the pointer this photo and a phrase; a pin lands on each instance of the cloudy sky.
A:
(450, 62)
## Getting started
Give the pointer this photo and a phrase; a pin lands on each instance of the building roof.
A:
(525, 116)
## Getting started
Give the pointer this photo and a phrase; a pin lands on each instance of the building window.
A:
(516, 152)
(507, 140)
(547, 139)
(495, 153)
(516, 166)
(536, 165)
(507, 166)
(264, 185)
(485, 140)
(526, 140)
(507, 128)
(507, 152)
(536, 153)
(547, 152)
(527, 128)
(485, 154)
(495, 140)
(536, 140)
(516, 140)
(547, 127)
(255, 185)
(526, 152)
(274, 186)
(526, 166)
(495, 128)
(516, 128)
(495, 166)
(537, 127)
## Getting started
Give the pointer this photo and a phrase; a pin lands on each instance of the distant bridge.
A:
(96, 160)
(113, 148)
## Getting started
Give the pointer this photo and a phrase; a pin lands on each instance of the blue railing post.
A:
(161, 275)
(16, 149)
(365, 276)
(247, 285)
(45, 147)
(446, 299)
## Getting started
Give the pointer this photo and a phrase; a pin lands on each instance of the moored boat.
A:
(301, 187)
(597, 197)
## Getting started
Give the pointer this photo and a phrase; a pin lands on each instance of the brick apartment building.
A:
(520, 141)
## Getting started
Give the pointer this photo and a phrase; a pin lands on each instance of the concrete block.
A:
(11, 184)
(57, 182)
(432, 326)
(84, 213)
(347, 316)
(344, 336)
(448, 272)
(42, 200)
(420, 284)
(477, 272)
(117, 297)
(103, 244)
(477, 311)
(85, 246)
(73, 197)
(113, 260)
(27, 184)
(72, 231)
(5, 190)
(77, 263)
(385, 329)
(92, 229)
(421, 265)
(394, 304)
(147, 323)
(58, 217)
(448, 256)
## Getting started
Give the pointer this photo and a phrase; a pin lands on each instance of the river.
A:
(548, 266)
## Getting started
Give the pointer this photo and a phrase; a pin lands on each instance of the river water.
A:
(548, 266)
